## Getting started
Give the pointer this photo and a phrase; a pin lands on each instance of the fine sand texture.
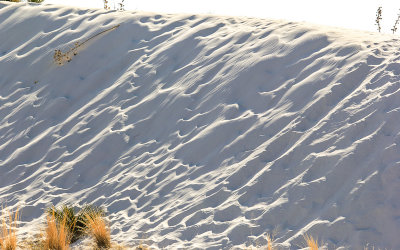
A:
(197, 131)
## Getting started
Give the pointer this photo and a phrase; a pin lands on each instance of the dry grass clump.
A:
(8, 236)
(311, 242)
(65, 226)
(76, 222)
(56, 234)
(269, 242)
(99, 230)
(65, 216)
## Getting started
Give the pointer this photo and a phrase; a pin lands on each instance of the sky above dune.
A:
(353, 14)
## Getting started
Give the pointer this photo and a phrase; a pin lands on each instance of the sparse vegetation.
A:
(66, 215)
(75, 222)
(106, 6)
(98, 229)
(65, 225)
(378, 18)
(61, 58)
(121, 5)
(269, 242)
(394, 29)
(8, 236)
(62, 225)
(311, 242)
(56, 234)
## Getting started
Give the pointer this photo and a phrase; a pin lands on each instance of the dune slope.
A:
(202, 131)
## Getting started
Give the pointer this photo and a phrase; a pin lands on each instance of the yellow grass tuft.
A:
(8, 236)
(56, 237)
(311, 242)
(99, 231)
(269, 240)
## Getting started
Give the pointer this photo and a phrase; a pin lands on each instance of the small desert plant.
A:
(311, 242)
(66, 215)
(122, 5)
(106, 6)
(75, 222)
(394, 29)
(35, 1)
(378, 18)
(62, 57)
(98, 229)
(56, 234)
(88, 211)
(8, 237)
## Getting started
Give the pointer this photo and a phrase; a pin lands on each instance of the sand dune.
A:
(202, 131)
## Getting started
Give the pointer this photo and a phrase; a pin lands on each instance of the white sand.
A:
(202, 131)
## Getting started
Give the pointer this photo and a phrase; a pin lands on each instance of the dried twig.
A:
(378, 18)
(60, 57)
(394, 29)
(122, 5)
(106, 7)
